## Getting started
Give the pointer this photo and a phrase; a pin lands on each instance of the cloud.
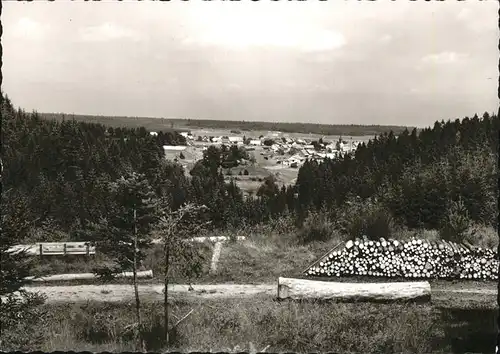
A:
(464, 14)
(443, 58)
(386, 38)
(240, 33)
(320, 88)
(29, 29)
(234, 86)
(108, 32)
(314, 42)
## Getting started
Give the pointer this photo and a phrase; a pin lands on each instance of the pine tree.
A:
(125, 233)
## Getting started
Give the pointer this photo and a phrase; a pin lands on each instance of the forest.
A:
(57, 174)
(173, 124)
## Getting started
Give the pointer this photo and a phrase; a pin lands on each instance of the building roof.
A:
(174, 147)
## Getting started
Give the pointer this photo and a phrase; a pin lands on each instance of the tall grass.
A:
(228, 325)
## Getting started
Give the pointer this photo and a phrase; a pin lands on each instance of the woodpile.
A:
(415, 258)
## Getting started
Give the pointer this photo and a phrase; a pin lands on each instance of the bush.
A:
(456, 224)
(268, 142)
(21, 321)
(366, 218)
(245, 172)
(316, 227)
(484, 236)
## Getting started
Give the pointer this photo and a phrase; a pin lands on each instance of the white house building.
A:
(174, 147)
(236, 140)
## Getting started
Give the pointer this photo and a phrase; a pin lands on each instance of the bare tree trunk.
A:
(136, 289)
(165, 280)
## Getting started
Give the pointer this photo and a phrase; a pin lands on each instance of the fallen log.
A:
(201, 239)
(87, 276)
(301, 289)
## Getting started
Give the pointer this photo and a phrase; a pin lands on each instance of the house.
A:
(153, 133)
(172, 152)
(255, 142)
(185, 134)
(236, 139)
(174, 147)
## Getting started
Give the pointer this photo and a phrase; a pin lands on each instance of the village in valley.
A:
(269, 152)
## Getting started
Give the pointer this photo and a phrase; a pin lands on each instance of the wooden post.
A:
(64, 248)
(41, 250)
(87, 247)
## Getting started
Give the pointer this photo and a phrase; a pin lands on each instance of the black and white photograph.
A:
(259, 176)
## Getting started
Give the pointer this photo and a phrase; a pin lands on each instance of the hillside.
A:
(168, 124)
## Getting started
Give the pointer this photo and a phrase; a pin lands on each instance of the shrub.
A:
(21, 320)
(484, 236)
(456, 224)
(245, 172)
(365, 218)
(316, 227)
(181, 156)
(268, 142)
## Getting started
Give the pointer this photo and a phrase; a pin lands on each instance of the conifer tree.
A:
(125, 233)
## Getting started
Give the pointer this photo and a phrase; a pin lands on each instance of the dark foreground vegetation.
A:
(80, 181)
(258, 324)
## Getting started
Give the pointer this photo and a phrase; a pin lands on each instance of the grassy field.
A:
(253, 325)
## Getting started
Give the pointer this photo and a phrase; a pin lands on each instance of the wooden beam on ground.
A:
(301, 289)
(201, 239)
(215, 257)
(88, 276)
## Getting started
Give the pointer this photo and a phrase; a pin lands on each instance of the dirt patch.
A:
(471, 296)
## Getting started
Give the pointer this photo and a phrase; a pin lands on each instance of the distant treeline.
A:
(164, 124)
(322, 129)
(57, 174)
(150, 124)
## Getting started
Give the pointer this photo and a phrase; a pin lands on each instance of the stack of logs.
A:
(415, 258)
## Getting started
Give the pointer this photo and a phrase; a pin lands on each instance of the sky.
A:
(332, 62)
